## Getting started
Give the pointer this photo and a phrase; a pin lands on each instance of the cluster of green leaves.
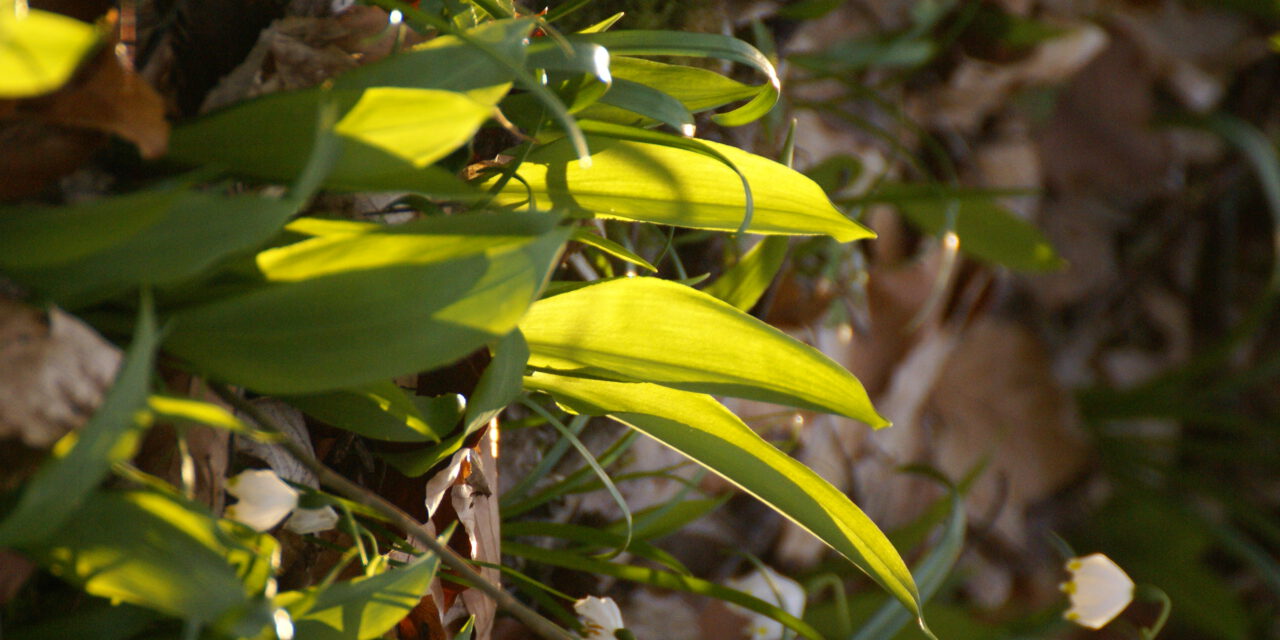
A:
(324, 313)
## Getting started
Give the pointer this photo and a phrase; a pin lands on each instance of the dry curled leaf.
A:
(54, 370)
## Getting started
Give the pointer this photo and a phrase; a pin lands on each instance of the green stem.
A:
(1149, 592)
(541, 626)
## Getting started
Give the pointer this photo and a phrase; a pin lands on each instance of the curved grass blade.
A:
(605, 245)
(595, 466)
(708, 45)
(650, 103)
(930, 573)
(389, 303)
(594, 538)
(709, 434)
(659, 578)
(516, 67)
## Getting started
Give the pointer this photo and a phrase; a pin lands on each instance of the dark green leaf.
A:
(383, 411)
(397, 302)
(84, 253)
(605, 245)
(500, 384)
(659, 578)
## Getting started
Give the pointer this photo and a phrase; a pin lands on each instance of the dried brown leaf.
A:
(54, 370)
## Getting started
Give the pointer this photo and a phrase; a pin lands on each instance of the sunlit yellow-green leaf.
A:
(709, 434)
(154, 550)
(666, 185)
(378, 310)
(361, 608)
(39, 50)
(398, 115)
(647, 329)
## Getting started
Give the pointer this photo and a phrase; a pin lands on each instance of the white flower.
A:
(600, 615)
(265, 499)
(1099, 590)
(774, 588)
(304, 521)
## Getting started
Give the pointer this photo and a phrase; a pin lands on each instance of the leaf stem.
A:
(414, 529)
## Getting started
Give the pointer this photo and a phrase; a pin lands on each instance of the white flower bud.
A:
(600, 615)
(265, 499)
(1099, 590)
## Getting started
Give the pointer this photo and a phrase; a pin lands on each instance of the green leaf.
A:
(500, 383)
(702, 429)
(607, 246)
(60, 489)
(383, 411)
(646, 329)
(646, 102)
(361, 608)
(697, 89)
(678, 43)
(386, 312)
(198, 412)
(398, 116)
(81, 254)
(153, 550)
(744, 283)
(39, 50)
(388, 136)
(655, 183)
(987, 230)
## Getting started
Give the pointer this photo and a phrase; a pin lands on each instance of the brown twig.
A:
(414, 529)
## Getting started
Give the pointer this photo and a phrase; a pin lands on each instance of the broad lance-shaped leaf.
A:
(385, 312)
(397, 116)
(361, 608)
(709, 434)
(654, 183)
(154, 550)
(150, 237)
(652, 330)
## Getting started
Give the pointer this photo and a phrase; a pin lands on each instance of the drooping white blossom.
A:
(265, 499)
(774, 588)
(600, 616)
(1099, 590)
